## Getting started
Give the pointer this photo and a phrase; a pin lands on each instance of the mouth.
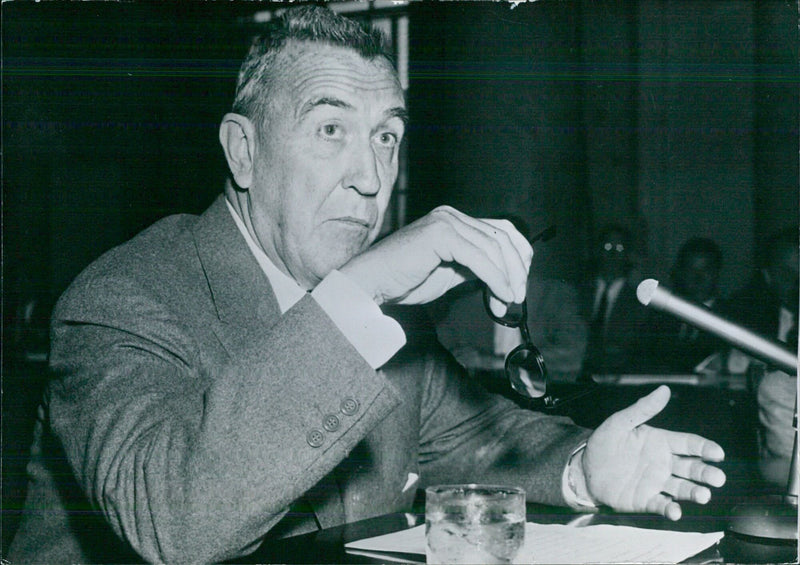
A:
(354, 222)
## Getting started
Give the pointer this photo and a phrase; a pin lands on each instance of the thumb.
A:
(644, 409)
(497, 306)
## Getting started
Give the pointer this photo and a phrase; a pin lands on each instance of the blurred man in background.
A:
(768, 305)
(615, 318)
(675, 346)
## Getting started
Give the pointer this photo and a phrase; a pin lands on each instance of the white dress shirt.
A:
(375, 336)
(613, 292)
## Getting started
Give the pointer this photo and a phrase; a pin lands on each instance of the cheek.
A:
(388, 174)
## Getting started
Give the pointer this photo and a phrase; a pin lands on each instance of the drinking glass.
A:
(474, 523)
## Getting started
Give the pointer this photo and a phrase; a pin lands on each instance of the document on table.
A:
(557, 543)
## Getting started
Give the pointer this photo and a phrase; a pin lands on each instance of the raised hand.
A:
(632, 467)
(425, 259)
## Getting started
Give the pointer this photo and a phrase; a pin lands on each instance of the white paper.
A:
(557, 543)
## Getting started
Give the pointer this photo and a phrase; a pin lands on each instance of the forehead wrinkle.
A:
(323, 101)
(322, 90)
(344, 79)
(301, 61)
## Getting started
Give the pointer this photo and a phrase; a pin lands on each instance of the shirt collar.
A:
(786, 321)
(286, 289)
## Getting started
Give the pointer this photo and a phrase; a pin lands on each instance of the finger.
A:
(515, 259)
(443, 278)
(497, 306)
(681, 489)
(695, 470)
(665, 506)
(520, 243)
(516, 251)
(643, 410)
(474, 257)
(490, 241)
(692, 444)
(673, 511)
(488, 252)
(457, 242)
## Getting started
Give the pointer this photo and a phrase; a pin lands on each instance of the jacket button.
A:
(349, 406)
(315, 438)
(330, 423)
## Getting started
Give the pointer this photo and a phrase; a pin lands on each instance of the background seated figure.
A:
(768, 305)
(675, 346)
(615, 318)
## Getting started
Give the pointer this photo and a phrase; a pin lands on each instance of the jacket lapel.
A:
(242, 295)
(246, 307)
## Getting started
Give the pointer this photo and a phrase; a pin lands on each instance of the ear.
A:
(237, 135)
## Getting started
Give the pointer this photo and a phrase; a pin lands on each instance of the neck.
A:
(240, 201)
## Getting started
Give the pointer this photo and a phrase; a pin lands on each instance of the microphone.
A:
(650, 293)
(772, 521)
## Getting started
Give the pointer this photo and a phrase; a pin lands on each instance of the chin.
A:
(331, 262)
(325, 257)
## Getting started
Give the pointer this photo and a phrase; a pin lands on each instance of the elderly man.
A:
(225, 378)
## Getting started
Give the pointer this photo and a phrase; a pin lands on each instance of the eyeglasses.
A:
(524, 366)
(609, 247)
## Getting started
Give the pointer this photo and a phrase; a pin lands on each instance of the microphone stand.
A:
(769, 522)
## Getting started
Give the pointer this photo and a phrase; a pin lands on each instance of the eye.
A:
(387, 139)
(331, 131)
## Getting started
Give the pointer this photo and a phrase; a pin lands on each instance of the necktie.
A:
(595, 351)
(687, 332)
(599, 321)
(791, 337)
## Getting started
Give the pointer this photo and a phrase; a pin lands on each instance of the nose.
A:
(363, 170)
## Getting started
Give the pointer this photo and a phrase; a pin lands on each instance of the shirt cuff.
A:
(573, 483)
(374, 335)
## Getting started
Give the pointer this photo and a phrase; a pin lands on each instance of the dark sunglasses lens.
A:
(526, 372)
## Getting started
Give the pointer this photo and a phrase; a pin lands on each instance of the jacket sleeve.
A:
(188, 458)
(471, 435)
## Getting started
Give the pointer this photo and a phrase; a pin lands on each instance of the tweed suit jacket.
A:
(187, 420)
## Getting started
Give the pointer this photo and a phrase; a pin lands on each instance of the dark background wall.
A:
(677, 119)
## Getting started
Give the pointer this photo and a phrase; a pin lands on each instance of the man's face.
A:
(326, 160)
(784, 278)
(697, 277)
(613, 254)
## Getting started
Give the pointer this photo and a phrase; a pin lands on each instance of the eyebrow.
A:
(324, 101)
(397, 112)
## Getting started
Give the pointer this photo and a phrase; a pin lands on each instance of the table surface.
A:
(327, 546)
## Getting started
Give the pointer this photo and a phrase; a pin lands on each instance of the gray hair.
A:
(305, 23)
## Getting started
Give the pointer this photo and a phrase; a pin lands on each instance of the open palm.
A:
(633, 467)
